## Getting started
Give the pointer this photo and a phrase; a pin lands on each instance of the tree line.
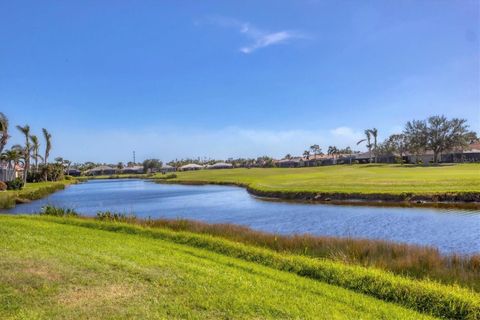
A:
(35, 163)
(436, 134)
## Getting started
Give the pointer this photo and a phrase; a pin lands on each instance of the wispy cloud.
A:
(259, 38)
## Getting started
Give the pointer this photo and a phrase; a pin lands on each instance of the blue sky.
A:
(222, 79)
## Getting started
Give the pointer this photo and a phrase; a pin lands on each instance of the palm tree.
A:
(35, 150)
(26, 132)
(368, 139)
(3, 131)
(67, 164)
(12, 157)
(374, 133)
(48, 147)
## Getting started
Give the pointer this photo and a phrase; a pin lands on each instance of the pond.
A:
(450, 230)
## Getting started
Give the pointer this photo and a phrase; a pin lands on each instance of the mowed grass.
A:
(53, 271)
(363, 179)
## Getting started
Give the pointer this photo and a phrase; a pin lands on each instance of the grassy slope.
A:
(63, 271)
(31, 191)
(381, 178)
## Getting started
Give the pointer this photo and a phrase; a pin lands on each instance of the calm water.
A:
(450, 230)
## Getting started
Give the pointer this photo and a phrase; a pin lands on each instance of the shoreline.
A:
(26, 195)
(467, 200)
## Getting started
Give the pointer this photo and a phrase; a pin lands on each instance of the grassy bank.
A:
(459, 182)
(56, 269)
(403, 259)
(32, 191)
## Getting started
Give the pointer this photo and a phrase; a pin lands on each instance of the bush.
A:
(35, 176)
(114, 216)
(15, 184)
(50, 210)
(3, 186)
(51, 171)
(168, 176)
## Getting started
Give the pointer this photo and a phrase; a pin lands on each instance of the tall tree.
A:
(48, 146)
(316, 150)
(35, 150)
(25, 130)
(374, 133)
(3, 131)
(306, 154)
(398, 143)
(438, 134)
(368, 140)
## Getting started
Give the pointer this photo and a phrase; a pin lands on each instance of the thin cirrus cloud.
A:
(258, 38)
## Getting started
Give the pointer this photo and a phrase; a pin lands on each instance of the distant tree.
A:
(374, 133)
(48, 146)
(120, 165)
(288, 156)
(368, 139)
(151, 164)
(25, 130)
(315, 149)
(67, 164)
(438, 134)
(3, 131)
(13, 157)
(306, 154)
(397, 143)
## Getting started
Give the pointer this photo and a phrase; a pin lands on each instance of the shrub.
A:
(3, 186)
(168, 176)
(15, 184)
(51, 171)
(50, 210)
(114, 216)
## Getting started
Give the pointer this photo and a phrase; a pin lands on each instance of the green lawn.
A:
(364, 179)
(60, 271)
(31, 191)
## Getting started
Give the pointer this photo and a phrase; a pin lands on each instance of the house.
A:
(7, 173)
(132, 170)
(167, 168)
(290, 163)
(101, 170)
(190, 167)
(73, 172)
(470, 154)
(220, 165)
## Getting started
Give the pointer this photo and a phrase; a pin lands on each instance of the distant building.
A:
(101, 170)
(132, 170)
(167, 168)
(73, 172)
(220, 165)
(290, 163)
(191, 167)
(7, 173)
